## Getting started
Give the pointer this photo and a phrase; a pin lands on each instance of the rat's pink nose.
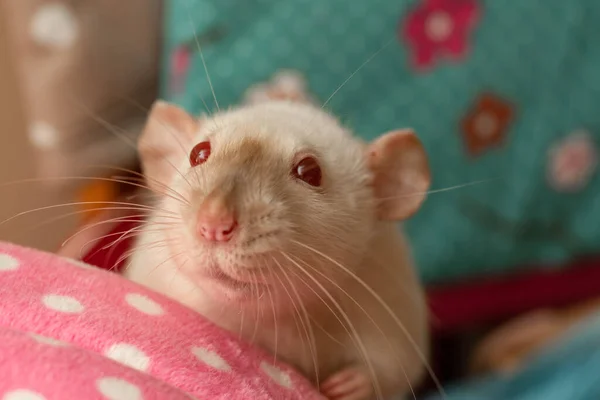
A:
(216, 222)
(216, 229)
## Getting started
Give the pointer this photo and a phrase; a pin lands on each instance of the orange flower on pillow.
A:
(486, 125)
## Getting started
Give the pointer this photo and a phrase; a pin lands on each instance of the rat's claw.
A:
(351, 383)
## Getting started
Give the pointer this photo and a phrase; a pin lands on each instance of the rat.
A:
(275, 222)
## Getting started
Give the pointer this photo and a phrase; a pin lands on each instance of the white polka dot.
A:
(211, 358)
(118, 389)
(129, 355)
(64, 304)
(276, 374)
(54, 25)
(22, 394)
(43, 135)
(144, 304)
(485, 125)
(439, 26)
(47, 340)
(8, 263)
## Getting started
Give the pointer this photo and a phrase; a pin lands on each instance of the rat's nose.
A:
(216, 221)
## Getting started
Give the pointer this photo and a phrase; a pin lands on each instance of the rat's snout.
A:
(216, 220)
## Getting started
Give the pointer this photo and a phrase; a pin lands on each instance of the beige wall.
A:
(81, 76)
(17, 163)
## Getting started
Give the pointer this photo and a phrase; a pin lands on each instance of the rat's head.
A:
(274, 194)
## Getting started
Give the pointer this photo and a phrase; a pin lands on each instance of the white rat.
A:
(278, 224)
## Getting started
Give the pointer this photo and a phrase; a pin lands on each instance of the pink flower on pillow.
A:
(437, 28)
(573, 162)
(180, 65)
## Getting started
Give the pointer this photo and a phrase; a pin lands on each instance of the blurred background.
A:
(504, 96)
(77, 78)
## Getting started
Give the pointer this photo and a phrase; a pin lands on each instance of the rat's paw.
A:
(351, 383)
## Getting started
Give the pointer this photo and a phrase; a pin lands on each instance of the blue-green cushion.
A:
(537, 61)
(565, 370)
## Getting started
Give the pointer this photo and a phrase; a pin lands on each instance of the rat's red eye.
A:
(199, 153)
(309, 171)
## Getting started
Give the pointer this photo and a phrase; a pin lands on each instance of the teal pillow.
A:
(565, 370)
(504, 92)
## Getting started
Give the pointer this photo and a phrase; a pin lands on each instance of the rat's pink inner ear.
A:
(401, 175)
(165, 141)
(173, 117)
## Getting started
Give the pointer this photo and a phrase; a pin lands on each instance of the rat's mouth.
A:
(248, 284)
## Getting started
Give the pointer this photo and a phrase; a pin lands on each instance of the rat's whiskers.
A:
(369, 317)
(117, 206)
(189, 9)
(122, 135)
(357, 70)
(122, 219)
(144, 179)
(304, 318)
(92, 178)
(447, 189)
(274, 314)
(347, 324)
(131, 233)
(386, 307)
(258, 314)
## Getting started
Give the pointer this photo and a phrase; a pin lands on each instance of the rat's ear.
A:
(164, 141)
(401, 175)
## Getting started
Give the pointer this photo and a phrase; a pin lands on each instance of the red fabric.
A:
(459, 306)
(108, 258)
(455, 307)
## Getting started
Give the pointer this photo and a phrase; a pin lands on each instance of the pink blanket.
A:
(72, 332)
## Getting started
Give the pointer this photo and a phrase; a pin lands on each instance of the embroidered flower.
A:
(180, 65)
(572, 162)
(440, 28)
(487, 123)
(284, 85)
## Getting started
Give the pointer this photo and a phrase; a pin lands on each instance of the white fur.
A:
(338, 221)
